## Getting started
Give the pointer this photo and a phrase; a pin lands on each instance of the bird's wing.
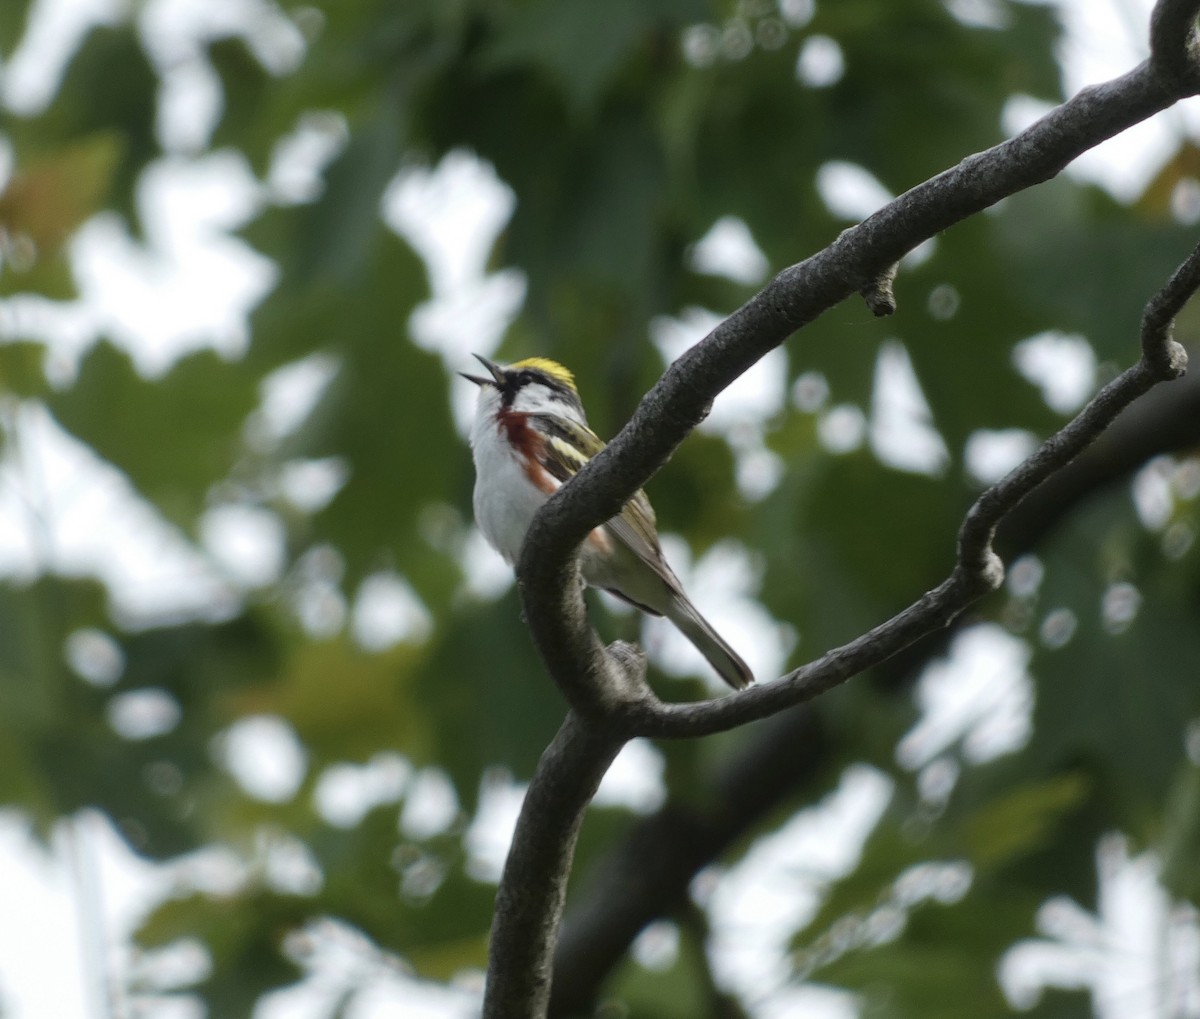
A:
(568, 447)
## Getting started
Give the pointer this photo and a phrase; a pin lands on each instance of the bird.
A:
(529, 436)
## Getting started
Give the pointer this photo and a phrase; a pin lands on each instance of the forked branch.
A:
(610, 702)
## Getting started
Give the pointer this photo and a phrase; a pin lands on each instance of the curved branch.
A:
(1174, 48)
(533, 886)
(859, 258)
(609, 701)
(649, 871)
(978, 569)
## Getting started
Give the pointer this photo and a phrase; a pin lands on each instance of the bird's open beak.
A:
(496, 371)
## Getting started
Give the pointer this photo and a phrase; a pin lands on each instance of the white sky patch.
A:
(53, 33)
(176, 32)
(299, 159)
(759, 470)
(288, 396)
(991, 454)
(487, 575)
(387, 611)
(88, 860)
(315, 591)
(1104, 39)
(149, 298)
(979, 695)
(777, 886)
(491, 830)
(310, 485)
(797, 13)
(901, 430)
(452, 215)
(980, 13)
(34, 886)
(62, 508)
(842, 429)
(850, 191)
(729, 250)
(189, 105)
(1025, 576)
(247, 542)
(810, 1000)
(810, 392)
(820, 62)
(94, 656)
(346, 973)
(463, 190)
(635, 779)
(1138, 955)
(289, 866)
(1061, 365)
(721, 584)
(430, 805)
(466, 321)
(741, 411)
(265, 757)
(657, 947)
(345, 793)
(144, 714)
(754, 398)
(1153, 495)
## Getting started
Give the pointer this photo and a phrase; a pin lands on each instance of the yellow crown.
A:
(551, 368)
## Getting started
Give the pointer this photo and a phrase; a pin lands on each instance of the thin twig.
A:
(855, 261)
(978, 569)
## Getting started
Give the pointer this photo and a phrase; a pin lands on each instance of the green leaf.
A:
(245, 85)
(22, 371)
(487, 695)
(581, 46)
(385, 414)
(1114, 698)
(1181, 839)
(109, 88)
(175, 437)
(410, 898)
(1023, 819)
(243, 934)
(47, 200)
(14, 17)
(676, 992)
(345, 703)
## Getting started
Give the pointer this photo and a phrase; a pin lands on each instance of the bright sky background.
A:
(66, 912)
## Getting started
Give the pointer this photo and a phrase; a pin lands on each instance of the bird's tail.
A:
(708, 642)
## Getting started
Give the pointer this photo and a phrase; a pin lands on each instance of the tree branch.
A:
(533, 886)
(978, 569)
(609, 698)
(647, 874)
(856, 261)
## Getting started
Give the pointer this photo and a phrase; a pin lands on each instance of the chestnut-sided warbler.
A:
(529, 436)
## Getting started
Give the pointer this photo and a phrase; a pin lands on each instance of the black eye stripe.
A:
(516, 381)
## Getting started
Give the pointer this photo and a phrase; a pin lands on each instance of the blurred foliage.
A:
(625, 130)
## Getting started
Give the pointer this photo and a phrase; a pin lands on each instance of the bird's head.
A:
(535, 385)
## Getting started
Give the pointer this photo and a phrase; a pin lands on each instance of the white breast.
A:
(505, 498)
